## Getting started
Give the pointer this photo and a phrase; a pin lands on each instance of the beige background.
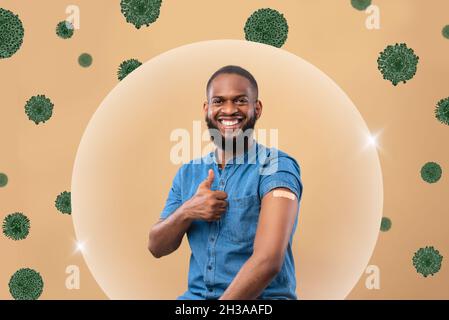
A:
(124, 168)
(329, 34)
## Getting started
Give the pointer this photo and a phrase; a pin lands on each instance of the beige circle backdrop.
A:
(123, 171)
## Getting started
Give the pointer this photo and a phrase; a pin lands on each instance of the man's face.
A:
(232, 107)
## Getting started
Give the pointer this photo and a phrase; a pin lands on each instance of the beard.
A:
(237, 142)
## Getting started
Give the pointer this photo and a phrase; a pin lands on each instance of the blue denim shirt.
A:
(220, 248)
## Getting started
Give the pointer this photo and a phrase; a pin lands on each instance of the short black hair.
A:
(231, 69)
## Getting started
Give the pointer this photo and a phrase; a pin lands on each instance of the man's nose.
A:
(228, 107)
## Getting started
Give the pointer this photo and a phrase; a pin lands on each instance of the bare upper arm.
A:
(276, 220)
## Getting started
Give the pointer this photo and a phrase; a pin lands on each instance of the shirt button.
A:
(209, 267)
(212, 239)
(210, 289)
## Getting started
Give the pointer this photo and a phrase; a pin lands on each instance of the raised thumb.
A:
(209, 180)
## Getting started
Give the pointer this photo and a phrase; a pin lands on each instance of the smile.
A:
(230, 123)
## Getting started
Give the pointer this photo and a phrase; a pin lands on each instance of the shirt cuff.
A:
(279, 184)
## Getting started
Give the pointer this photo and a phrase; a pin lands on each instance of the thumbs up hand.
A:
(207, 183)
(207, 204)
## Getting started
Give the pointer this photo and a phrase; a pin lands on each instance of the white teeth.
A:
(229, 123)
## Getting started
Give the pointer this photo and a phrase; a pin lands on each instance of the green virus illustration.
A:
(267, 26)
(398, 63)
(85, 60)
(65, 29)
(442, 111)
(141, 12)
(11, 33)
(431, 172)
(3, 180)
(63, 202)
(39, 108)
(126, 67)
(16, 226)
(360, 4)
(385, 225)
(445, 31)
(427, 261)
(26, 284)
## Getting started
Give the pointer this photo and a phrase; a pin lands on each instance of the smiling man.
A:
(238, 205)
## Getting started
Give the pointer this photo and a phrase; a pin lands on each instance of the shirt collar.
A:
(249, 156)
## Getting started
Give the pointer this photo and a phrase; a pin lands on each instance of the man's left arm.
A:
(277, 216)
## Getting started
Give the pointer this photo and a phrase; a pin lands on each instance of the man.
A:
(238, 205)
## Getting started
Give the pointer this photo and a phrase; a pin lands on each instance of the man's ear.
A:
(205, 107)
(259, 108)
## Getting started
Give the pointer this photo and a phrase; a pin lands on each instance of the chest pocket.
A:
(240, 220)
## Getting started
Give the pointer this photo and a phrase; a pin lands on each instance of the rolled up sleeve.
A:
(284, 172)
(174, 199)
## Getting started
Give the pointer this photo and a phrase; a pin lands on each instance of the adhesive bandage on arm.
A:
(284, 194)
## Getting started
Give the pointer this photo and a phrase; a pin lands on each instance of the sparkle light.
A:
(80, 246)
(372, 140)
